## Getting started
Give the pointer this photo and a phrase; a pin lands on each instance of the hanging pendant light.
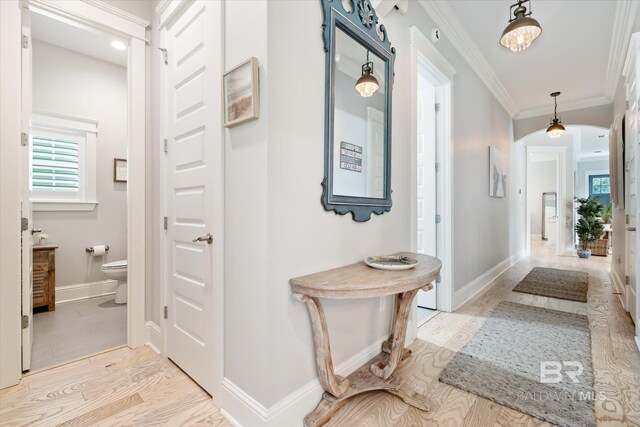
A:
(522, 29)
(367, 84)
(555, 129)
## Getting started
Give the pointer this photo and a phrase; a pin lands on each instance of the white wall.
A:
(247, 341)
(275, 225)
(73, 84)
(140, 8)
(306, 239)
(586, 168)
(543, 180)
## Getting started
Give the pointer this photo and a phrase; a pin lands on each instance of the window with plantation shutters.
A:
(63, 163)
(55, 165)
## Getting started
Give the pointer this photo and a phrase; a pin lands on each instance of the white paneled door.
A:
(426, 179)
(25, 182)
(194, 196)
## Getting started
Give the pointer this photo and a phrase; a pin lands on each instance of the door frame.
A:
(169, 11)
(425, 55)
(631, 72)
(103, 17)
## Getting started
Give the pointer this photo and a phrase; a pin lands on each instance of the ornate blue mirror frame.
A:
(361, 24)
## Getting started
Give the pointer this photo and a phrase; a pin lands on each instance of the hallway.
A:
(139, 387)
(616, 358)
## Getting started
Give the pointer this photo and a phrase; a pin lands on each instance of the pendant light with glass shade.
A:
(367, 84)
(522, 28)
(555, 129)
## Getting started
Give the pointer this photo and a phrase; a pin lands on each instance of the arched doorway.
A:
(571, 162)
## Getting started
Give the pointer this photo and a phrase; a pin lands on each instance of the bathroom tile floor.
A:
(76, 329)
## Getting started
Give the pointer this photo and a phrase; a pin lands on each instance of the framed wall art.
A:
(241, 93)
(120, 170)
(497, 173)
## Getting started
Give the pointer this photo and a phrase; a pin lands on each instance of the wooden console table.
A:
(361, 281)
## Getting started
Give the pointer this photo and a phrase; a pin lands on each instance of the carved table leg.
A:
(332, 383)
(402, 308)
(386, 347)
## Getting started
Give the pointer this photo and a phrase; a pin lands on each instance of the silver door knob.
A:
(631, 229)
(36, 230)
(206, 238)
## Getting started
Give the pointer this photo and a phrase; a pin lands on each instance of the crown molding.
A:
(564, 107)
(621, 34)
(453, 29)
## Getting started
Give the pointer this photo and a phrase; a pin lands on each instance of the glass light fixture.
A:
(522, 29)
(367, 84)
(555, 129)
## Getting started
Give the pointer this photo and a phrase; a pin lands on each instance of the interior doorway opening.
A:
(74, 177)
(582, 151)
(429, 137)
(16, 312)
(432, 106)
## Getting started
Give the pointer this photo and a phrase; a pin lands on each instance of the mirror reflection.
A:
(358, 132)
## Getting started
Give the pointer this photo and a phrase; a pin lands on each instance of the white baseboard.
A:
(620, 288)
(479, 284)
(85, 290)
(152, 336)
(240, 409)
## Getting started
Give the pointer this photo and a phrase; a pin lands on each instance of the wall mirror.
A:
(359, 80)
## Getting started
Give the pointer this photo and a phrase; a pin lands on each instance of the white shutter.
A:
(55, 165)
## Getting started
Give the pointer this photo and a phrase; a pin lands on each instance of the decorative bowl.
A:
(391, 262)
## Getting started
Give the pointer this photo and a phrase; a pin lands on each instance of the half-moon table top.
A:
(361, 281)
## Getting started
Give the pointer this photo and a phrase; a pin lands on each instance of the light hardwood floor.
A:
(121, 387)
(616, 358)
(138, 388)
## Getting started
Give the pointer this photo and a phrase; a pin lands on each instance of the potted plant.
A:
(606, 214)
(589, 227)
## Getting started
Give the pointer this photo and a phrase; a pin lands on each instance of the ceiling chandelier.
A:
(522, 29)
(555, 129)
(367, 84)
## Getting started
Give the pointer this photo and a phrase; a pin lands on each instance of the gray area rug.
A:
(502, 363)
(550, 282)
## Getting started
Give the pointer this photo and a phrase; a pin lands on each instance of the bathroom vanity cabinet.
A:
(44, 276)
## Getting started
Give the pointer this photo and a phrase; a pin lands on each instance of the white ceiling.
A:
(594, 142)
(590, 142)
(570, 56)
(77, 38)
(580, 52)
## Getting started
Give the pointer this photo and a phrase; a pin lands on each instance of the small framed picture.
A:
(120, 170)
(241, 93)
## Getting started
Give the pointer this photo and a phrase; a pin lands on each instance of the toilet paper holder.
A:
(90, 249)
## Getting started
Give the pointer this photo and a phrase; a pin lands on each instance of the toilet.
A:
(117, 270)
